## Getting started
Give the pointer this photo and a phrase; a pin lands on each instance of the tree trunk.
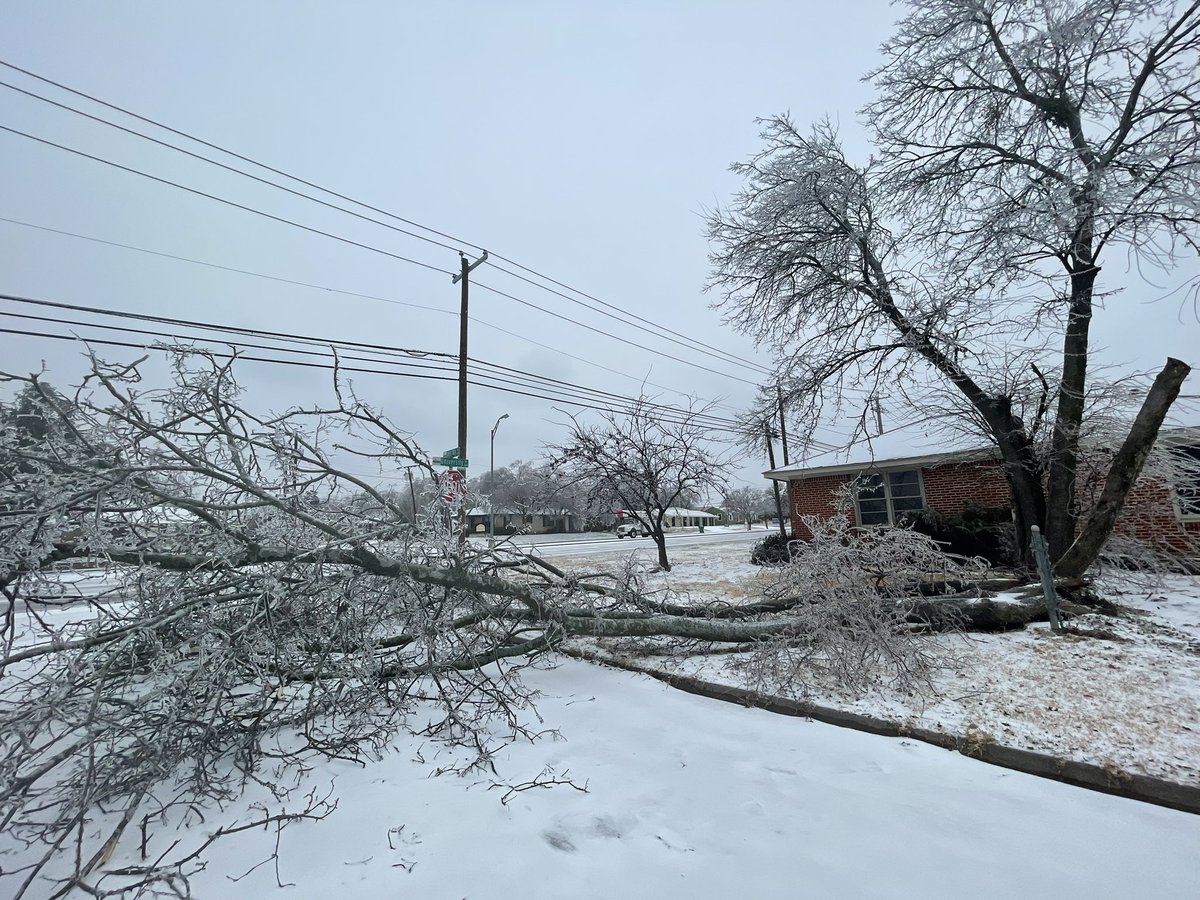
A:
(1124, 471)
(937, 613)
(660, 541)
(676, 626)
(1024, 488)
(1061, 512)
(1021, 470)
(979, 614)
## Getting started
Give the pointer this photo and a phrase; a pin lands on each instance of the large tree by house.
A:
(1019, 146)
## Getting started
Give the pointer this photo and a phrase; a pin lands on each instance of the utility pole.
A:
(412, 495)
(782, 426)
(463, 276)
(774, 483)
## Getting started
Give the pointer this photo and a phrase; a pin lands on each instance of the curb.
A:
(1104, 779)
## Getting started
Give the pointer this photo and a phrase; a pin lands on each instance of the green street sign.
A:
(452, 462)
(452, 453)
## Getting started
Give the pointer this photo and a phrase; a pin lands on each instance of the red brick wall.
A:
(951, 488)
(1150, 515)
(813, 497)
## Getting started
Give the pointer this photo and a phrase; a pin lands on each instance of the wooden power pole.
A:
(464, 277)
(775, 484)
(782, 426)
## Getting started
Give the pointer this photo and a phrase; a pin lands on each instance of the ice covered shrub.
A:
(975, 531)
(771, 551)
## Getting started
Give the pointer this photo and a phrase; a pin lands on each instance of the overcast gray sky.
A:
(580, 140)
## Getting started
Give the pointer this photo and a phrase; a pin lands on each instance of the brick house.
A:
(1165, 514)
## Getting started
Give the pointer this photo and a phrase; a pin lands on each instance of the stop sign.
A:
(455, 486)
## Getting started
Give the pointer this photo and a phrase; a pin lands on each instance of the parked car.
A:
(631, 529)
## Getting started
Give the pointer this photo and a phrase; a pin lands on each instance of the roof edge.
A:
(1170, 434)
(795, 473)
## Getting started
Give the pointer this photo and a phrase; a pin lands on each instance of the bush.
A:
(771, 551)
(976, 531)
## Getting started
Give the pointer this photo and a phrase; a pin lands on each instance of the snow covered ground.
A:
(690, 798)
(693, 798)
(1128, 696)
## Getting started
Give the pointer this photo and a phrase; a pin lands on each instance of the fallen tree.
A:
(260, 612)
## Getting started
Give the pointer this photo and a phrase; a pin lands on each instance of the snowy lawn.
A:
(691, 798)
(1128, 696)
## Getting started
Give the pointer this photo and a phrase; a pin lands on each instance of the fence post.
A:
(1038, 543)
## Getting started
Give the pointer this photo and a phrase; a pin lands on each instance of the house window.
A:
(884, 496)
(1187, 480)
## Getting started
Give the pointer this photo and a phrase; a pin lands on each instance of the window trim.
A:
(1176, 499)
(887, 494)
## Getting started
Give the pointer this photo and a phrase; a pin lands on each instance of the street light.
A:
(492, 483)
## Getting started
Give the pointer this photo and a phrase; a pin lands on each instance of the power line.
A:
(129, 329)
(346, 240)
(591, 328)
(333, 366)
(233, 203)
(235, 329)
(517, 374)
(349, 293)
(386, 350)
(212, 146)
(668, 334)
(221, 165)
(443, 363)
(505, 379)
(233, 269)
(692, 343)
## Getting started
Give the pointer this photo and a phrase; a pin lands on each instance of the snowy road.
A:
(590, 545)
(94, 583)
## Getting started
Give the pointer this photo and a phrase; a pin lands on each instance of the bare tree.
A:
(410, 499)
(527, 488)
(747, 503)
(520, 487)
(1019, 142)
(643, 463)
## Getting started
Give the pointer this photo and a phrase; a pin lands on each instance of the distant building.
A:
(510, 521)
(679, 517)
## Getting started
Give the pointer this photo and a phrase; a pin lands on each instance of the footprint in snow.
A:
(605, 827)
(559, 840)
